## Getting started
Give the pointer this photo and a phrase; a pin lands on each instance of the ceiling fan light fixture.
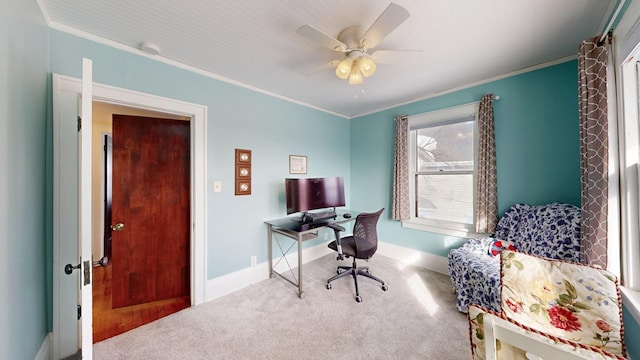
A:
(355, 77)
(344, 68)
(351, 41)
(366, 65)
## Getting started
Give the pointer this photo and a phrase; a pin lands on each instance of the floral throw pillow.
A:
(496, 246)
(566, 300)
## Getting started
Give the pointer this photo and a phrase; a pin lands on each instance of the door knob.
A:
(68, 269)
(117, 227)
(104, 261)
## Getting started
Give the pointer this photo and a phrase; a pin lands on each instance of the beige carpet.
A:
(415, 319)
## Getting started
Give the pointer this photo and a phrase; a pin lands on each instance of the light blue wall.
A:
(237, 118)
(23, 98)
(537, 149)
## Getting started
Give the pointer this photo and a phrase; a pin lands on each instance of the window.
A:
(442, 170)
(629, 142)
(630, 171)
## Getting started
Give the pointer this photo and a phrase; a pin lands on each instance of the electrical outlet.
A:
(254, 260)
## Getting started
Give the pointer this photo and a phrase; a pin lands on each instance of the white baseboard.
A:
(45, 350)
(235, 281)
(414, 257)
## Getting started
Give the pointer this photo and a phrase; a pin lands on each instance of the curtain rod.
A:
(610, 24)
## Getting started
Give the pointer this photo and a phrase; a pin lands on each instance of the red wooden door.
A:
(151, 197)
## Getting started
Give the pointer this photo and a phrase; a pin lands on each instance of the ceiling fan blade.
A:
(391, 18)
(318, 69)
(396, 56)
(318, 36)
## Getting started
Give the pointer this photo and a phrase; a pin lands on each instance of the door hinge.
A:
(79, 311)
(79, 123)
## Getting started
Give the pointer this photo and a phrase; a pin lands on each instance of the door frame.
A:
(198, 114)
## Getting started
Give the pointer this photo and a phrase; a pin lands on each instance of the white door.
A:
(84, 209)
(72, 217)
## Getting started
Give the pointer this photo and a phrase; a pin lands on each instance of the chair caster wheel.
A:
(385, 287)
(358, 298)
(328, 286)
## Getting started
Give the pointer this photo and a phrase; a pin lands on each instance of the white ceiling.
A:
(254, 42)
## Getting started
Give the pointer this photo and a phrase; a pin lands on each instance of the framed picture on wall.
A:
(297, 164)
(243, 172)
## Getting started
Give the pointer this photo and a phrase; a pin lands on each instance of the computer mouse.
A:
(346, 216)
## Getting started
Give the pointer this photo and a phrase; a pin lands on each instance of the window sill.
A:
(631, 301)
(419, 225)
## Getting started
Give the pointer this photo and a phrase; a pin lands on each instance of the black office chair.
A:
(361, 245)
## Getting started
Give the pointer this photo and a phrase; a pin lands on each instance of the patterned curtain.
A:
(400, 208)
(487, 193)
(594, 153)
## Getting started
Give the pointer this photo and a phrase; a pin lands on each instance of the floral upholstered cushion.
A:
(508, 227)
(475, 275)
(566, 300)
(504, 350)
(551, 231)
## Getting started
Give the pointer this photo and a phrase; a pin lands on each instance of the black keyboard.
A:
(315, 217)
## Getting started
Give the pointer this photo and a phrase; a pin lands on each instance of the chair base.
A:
(354, 271)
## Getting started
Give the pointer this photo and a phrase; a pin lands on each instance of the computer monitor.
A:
(307, 194)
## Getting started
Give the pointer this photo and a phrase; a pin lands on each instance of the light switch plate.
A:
(217, 186)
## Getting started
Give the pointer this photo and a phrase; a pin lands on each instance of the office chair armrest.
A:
(336, 230)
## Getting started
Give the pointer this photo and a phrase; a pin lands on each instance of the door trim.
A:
(198, 115)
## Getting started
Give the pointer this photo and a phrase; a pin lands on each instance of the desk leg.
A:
(270, 235)
(300, 292)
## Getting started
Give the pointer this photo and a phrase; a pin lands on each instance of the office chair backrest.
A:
(366, 234)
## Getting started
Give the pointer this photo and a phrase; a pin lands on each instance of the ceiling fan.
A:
(357, 62)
